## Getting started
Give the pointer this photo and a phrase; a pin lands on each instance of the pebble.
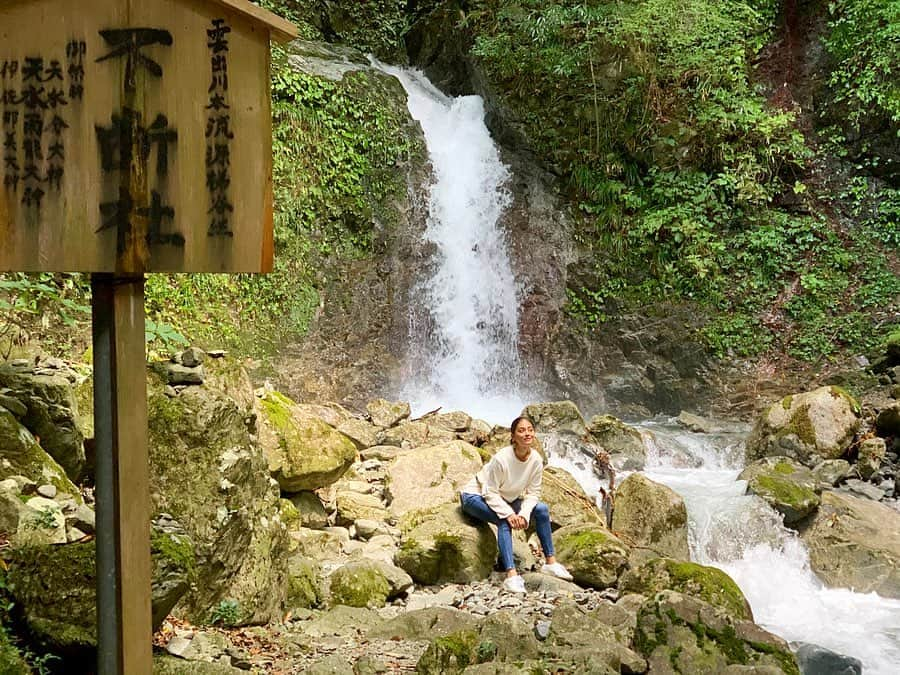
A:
(542, 630)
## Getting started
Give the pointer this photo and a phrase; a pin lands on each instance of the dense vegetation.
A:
(695, 180)
(693, 183)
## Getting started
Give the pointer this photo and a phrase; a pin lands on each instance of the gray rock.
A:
(816, 660)
(178, 374)
(191, 357)
(695, 423)
(48, 491)
(178, 646)
(542, 630)
(14, 405)
(84, 518)
(862, 489)
(830, 472)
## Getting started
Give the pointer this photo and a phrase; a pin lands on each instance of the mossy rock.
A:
(23, 456)
(683, 634)
(55, 589)
(652, 516)
(441, 545)
(807, 427)
(359, 584)
(710, 584)
(424, 624)
(210, 475)
(622, 442)
(451, 653)
(303, 451)
(163, 664)
(593, 555)
(559, 416)
(787, 486)
(304, 584)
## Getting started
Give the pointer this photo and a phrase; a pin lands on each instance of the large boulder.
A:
(855, 543)
(500, 637)
(208, 473)
(21, 455)
(592, 554)
(709, 584)
(48, 393)
(429, 476)
(303, 451)
(54, 588)
(787, 486)
(559, 416)
(623, 443)
(584, 638)
(441, 545)
(682, 634)
(807, 427)
(651, 516)
(569, 503)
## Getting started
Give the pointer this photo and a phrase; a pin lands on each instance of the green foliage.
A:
(864, 44)
(45, 519)
(162, 335)
(649, 111)
(375, 26)
(227, 613)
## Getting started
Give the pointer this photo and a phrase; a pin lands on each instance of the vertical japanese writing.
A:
(9, 98)
(56, 99)
(33, 96)
(75, 53)
(127, 139)
(34, 101)
(218, 133)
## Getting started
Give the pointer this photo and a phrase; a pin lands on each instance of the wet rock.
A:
(821, 661)
(652, 516)
(787, 486)
(855, 543)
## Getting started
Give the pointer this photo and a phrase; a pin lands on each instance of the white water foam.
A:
(743, 536)
(463, 346)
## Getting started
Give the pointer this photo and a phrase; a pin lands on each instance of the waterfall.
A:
(463, 333)
(743, 536)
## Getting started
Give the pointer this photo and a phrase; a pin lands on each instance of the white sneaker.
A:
(514, 584)
(558, 571)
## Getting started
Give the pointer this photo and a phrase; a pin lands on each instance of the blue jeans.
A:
(475, 506)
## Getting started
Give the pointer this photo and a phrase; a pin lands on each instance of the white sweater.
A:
(505, 478)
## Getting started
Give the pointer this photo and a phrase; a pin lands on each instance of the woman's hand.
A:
(517, 522)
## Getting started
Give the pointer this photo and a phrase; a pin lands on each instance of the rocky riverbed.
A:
(309, 538)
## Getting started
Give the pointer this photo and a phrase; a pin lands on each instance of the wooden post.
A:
(122, 476)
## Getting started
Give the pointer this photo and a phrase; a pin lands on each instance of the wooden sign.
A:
(136, 135)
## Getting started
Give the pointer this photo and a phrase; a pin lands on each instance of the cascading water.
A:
(743, 536)
(463, 343)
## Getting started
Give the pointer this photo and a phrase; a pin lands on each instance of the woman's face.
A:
(523, 436)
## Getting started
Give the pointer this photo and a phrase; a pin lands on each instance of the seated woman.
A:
(505, 493)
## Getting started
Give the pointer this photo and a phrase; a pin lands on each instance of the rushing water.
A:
(463, 339)
(743, 536)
